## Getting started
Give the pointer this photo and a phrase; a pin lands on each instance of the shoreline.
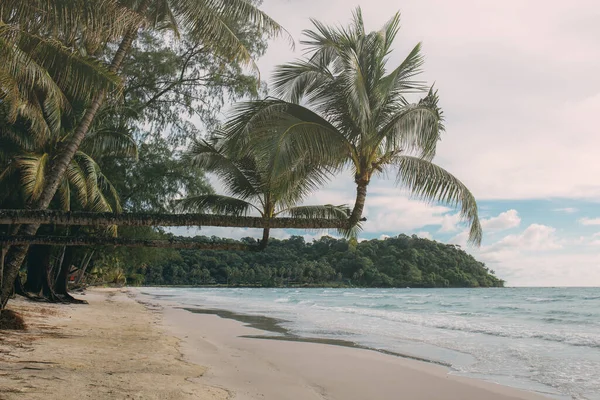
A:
(129, 345)
(270, 324)
(228, 346)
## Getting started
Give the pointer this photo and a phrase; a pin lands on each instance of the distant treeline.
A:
(393, 262)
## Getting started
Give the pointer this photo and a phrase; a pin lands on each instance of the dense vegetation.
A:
(114, 106)
(393, 262)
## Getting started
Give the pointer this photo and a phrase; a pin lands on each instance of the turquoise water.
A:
(540, 339)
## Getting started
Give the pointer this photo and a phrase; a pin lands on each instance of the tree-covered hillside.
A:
(394, 262)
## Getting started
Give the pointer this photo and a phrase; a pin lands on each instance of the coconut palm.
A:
(46, 48)
(24, 160)
(210, 22)
(342, 107)
(254, 187)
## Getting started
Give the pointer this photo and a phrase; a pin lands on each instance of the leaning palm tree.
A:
(209, 22)
(46, 48)
(341, 107)
(254, 187)
(23, 161)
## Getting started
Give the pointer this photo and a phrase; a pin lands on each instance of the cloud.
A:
(535, 237)
(578, 268)
(530, 257)
(566, 210)
(424, 235)
(589, 221)
(514, 130)
(506, 220)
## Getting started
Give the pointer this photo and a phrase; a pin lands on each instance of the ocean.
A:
(539, 339)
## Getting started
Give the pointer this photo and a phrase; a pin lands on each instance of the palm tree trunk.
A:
(61, 284)
(59, 165)
(265, 239)
(4, 251)
(359, 204)
(84, 267)
(51, 217)
(36, 268)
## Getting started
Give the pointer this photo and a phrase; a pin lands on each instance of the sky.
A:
(519, 83)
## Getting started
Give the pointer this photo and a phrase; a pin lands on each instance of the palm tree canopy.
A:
(252, 185)
(52, 47)
(341, 106)
(213, 23)
(24, 161)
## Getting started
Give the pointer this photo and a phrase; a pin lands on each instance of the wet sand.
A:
(297, 368)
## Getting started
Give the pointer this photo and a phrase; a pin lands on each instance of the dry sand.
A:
(113, 348)
(116, 348)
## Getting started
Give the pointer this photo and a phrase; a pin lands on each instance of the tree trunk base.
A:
(68, 299)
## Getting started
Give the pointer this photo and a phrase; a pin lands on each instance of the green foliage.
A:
(253, 185)
(394, 262)
(340, 106)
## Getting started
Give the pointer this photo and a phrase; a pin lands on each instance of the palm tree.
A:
(206, 21)
(47, 47)
(254, 187)
(341, 107)
(23, 161)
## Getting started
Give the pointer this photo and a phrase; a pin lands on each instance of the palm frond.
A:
(274, 126)
(390, 31)
(396, 84)
(430, 182)
(238, 175)
(217, 204)
(210, 22)
(90, 172)
(327, 211)
(87, 22)
(78, 181)
(415, 128)
(107, 189)
(64, 193)
(296, 80)
(33, 172)
(110, 142)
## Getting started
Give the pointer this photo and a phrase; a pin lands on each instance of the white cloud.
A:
(566, 210)
(449, 223)
(534, 257)
(535, 237)
(425, 235)
(506, 220)
(575, 268)
(530, 136)
(589, 221)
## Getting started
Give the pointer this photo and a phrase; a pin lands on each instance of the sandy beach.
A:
(113, 348)
(124, 345)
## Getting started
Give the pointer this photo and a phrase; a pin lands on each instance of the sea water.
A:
(540, 339)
